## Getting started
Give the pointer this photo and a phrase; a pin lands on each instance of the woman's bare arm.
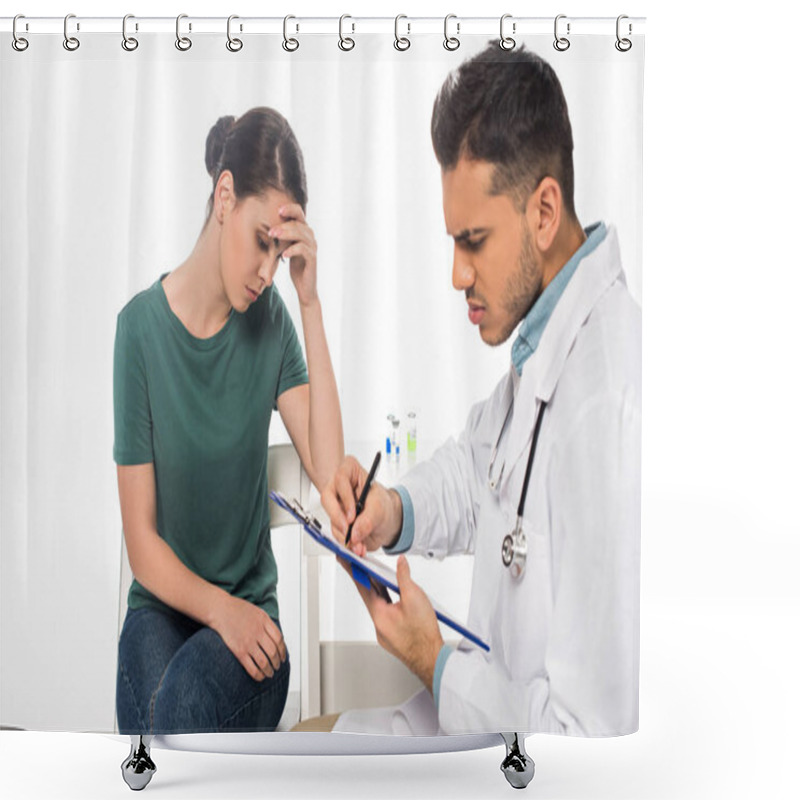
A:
(311, 412)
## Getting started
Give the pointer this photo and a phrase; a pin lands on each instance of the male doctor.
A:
(562, 622)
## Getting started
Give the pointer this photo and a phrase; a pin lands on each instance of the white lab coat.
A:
(565, 638)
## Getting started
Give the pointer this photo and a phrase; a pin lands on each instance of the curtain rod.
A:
(331, 25)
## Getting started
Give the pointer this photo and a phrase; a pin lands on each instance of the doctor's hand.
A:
(251, 635)
(408, 629)
(378, 525)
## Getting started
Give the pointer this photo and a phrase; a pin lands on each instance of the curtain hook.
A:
(129, 43)
(345, 42)
(18, 42)
(401, 43)
(183, 43)
(451, 42)
(623, 45)
(289, 44)
(561, 43)
(506, 42)
(234, 45)
(70, 42)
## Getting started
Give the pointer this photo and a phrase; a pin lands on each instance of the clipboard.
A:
(369, 572)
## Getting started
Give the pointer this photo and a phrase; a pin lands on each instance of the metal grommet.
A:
(345, 42)
(234, 45)
(451, 42)
(19, 43)
(70, 42)
(506, 42)
(561, 43)
(183, 43)
(129, 43)
(401, 43)
(623, 45)
(290, 44)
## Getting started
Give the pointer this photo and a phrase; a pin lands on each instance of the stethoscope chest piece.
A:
(515, 551)
(515, 546)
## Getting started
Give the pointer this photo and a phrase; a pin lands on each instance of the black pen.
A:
(364, 491)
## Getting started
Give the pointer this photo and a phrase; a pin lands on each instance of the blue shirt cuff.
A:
(441, 660)
(407, 531)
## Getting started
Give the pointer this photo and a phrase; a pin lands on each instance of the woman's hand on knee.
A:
(251, 636)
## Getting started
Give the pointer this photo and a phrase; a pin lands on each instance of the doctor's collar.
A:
(534, 323)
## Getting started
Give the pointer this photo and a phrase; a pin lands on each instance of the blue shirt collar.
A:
(530, 332)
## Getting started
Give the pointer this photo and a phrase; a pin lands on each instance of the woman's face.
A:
(248, 255)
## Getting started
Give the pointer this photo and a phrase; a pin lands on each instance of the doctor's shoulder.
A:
(618, 319)
(606, 357)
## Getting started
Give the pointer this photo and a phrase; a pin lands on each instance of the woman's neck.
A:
(194, 290)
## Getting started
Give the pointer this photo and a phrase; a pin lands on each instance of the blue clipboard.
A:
(370, 574)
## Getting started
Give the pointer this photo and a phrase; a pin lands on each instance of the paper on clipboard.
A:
(368, 571)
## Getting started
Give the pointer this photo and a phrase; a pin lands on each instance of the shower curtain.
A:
(104, 191)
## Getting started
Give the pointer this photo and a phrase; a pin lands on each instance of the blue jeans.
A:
(174, 675)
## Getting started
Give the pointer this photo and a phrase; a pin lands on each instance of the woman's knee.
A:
(262, 709)
(205, 688)
(149, 639)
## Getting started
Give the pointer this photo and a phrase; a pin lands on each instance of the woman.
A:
(201, 359)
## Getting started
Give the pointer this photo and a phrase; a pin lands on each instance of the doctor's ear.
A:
(543, 211)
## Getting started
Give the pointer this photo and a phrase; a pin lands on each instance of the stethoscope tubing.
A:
(514, 550)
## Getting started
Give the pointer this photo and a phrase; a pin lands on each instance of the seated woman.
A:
(201, 359)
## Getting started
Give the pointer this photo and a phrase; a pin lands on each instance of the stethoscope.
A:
(515, 545)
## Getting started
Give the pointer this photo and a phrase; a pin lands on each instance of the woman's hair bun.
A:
(260, 151)
(215, 141)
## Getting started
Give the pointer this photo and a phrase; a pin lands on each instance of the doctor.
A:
(555, 588)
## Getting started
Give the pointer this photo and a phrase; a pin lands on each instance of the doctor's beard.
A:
(522, 288)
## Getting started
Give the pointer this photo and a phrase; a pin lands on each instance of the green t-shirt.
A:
(199, 409)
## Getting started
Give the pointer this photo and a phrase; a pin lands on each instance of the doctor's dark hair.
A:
(261, 152)
(507, 108)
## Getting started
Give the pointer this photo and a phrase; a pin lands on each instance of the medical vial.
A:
(411, 432)
(395, 436)
(391, 435)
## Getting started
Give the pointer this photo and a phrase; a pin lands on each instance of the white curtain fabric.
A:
(104, 188)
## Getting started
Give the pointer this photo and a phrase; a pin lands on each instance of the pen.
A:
(364, 491)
